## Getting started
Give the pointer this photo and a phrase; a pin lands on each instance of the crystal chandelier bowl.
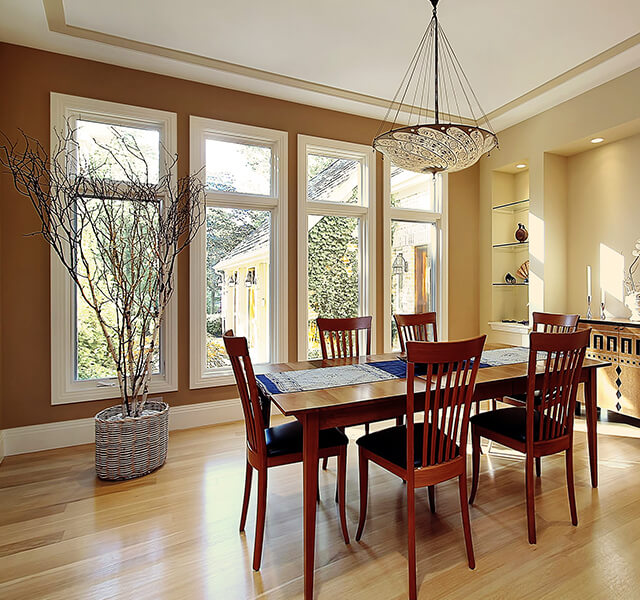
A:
(431, 148)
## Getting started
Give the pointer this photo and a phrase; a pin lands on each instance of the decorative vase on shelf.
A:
(521, 233)
(633, 304)
(509, 278)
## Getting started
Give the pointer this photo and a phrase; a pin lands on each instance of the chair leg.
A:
(260, 519)
(399, 421)
(475, 445)
(531, 507)
(342, 481)
(432, 497)
(366, 428)
(247, 494)
(494, 404)
(538, 466)
(466, 524)
(411, 539)
(570, 487)
(325, 462)
(364, 488)
(477, 407)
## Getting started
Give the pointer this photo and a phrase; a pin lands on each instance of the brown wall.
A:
(28, 77)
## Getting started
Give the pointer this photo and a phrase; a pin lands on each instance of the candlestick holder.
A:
(603, 315)
(589, 315)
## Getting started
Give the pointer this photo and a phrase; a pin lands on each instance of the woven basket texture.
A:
(132, 447)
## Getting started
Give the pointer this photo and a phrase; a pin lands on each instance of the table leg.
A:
(591, 401)
(310, 476)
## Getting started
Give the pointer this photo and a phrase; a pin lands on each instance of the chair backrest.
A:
(420, 327)
(340, 338)
(238, 351)
(555, 323)
(563, 355)
(451, 367)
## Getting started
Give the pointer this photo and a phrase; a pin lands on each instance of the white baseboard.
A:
(47, 436)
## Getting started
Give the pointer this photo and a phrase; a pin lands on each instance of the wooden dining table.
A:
(356, 404)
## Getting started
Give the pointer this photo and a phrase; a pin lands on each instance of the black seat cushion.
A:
(510, 422)
(287, 439)
(391, 444)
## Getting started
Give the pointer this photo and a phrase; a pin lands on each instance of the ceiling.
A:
(520, 57)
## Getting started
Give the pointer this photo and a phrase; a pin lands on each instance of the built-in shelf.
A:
(512, 246)
(512, 207)
(510, 284)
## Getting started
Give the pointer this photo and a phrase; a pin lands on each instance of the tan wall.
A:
(604, 110)
(463, 251)
(604, 204)
(28, 77)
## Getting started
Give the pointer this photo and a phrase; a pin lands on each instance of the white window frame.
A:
(441, 219)
(65, 389)
(366, 212)
(202, 129)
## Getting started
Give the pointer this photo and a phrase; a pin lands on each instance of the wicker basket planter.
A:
(131, 447)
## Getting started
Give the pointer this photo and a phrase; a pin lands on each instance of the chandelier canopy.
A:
(451, 141)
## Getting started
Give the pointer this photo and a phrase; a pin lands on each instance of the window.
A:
(81, 368)
(414, 247)
(239, 259)
(336, 237)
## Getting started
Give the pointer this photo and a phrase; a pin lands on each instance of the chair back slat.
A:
(554, 323)
(340, 338)
(451, 367)
(420, 327)
(238, 351)
(563, 355)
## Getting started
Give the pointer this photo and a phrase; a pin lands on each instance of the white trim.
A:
(367, 212)
(441, 220)
(64, 388)
(200, 129)
(62, 434)
(2, 452)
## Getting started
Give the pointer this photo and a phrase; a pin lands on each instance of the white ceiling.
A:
(507, 48)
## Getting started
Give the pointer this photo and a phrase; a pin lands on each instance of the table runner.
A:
(328, 377)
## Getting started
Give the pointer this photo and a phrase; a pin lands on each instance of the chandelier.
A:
(451, 141)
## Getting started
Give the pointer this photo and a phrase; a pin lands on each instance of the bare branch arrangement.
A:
(118, 230)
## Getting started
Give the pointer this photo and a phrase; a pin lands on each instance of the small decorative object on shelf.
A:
(632, 287)
(522, 235)
(603, 314)
(523, 271)
(509, 278)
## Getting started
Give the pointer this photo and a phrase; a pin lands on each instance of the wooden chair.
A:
(424, 454)
(545, 425)
(545, 323)
(273, 446)
(416, 327)
(340, 338)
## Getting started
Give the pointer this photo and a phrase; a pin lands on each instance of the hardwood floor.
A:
(174, 533)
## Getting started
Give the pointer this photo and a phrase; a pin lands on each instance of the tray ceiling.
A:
(514, 53)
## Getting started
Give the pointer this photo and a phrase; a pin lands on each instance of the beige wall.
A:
(604, 224)
(608, 110)
(28, 77)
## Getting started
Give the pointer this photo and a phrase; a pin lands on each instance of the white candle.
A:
(588, 280)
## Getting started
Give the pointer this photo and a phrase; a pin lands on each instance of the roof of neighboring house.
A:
(331, 177)
(256, 240)
(319, 185)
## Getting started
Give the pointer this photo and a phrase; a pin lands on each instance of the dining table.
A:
(347, 405)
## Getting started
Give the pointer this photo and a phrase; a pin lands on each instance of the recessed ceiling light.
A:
(521, 166)
(597, 140)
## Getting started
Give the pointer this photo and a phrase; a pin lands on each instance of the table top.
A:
(293, 403)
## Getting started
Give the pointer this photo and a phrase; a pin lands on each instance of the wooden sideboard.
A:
(616, 341)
